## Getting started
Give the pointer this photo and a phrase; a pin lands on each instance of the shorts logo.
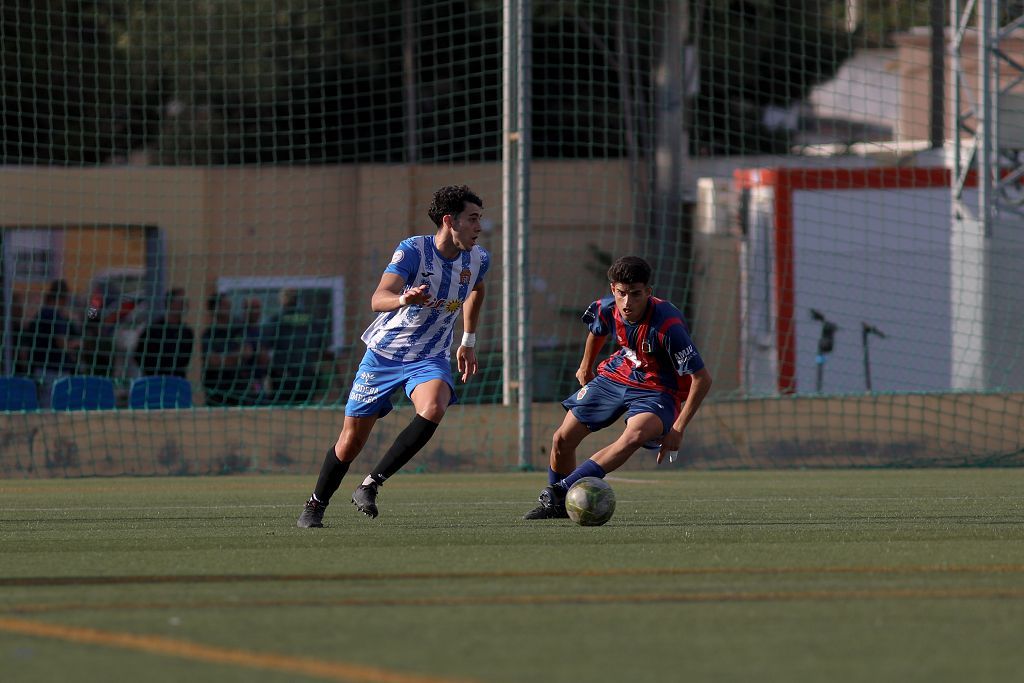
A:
(397, 256)
(581, 393)
(367, 376)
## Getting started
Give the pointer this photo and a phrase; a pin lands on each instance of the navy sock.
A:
(554, 477)
(587, 469)
(331, 474)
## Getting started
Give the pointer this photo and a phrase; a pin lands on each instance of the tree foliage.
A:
(68, 95)
(757, 54)
(322, 81)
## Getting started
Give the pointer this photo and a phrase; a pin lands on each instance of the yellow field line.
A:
(32, 581)
(566, 598)
(183, 649)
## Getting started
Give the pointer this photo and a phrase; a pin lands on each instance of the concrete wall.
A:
(337, 220)
(866, 431)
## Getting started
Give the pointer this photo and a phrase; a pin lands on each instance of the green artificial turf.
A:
(831, 575)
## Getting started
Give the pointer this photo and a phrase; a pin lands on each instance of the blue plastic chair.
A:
(160, 391)
(18, 393)
(82, 392)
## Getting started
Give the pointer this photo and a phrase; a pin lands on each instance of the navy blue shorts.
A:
(602, 401)
(378, 377)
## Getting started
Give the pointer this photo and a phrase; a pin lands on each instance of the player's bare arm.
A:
(700, 384)
(466, 355)
(388, 295)
(590, 350)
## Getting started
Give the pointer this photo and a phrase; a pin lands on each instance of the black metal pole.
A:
(937, 109)
(867, 357)
(826, 342)
(865, 331)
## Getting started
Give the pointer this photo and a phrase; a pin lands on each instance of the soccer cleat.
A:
(552, 504)
(365, 499)
(313, 514)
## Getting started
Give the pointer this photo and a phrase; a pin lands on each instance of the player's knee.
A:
(559, 441)
(632, 438)
(432, 411)
(349, 446)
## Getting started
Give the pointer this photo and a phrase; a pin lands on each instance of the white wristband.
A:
(402, 301)
(469, 339)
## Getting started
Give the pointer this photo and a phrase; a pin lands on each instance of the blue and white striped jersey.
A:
(418, 332)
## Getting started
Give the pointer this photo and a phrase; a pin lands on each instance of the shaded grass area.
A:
(720, 576)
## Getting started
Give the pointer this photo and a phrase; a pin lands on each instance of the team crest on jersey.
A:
(397, 256)
(464, 276)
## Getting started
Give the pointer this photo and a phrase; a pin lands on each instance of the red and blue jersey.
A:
(655, 352)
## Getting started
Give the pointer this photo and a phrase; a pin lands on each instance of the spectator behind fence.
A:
(165, 346)
(252, 321)
(296, 339)
(20, 341)
(226, 356)
(51, 340)
(97, 354)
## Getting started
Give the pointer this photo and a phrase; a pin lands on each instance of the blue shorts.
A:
(602, 401)
(378, 377)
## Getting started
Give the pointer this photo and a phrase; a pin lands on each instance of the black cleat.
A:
(365, 499)
(313, 515)
(552, 505)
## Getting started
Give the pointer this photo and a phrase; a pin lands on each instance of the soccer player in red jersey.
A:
(656, 379)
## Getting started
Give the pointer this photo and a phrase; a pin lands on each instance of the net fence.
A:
(209, 192)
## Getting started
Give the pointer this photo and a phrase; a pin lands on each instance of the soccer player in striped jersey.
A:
(430, 279)
(656, 379)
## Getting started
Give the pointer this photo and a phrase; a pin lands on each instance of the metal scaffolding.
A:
(988, 111)
(987, 207)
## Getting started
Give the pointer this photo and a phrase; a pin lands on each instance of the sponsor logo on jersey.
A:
(397, 256)
(449, 305)
(683, 358)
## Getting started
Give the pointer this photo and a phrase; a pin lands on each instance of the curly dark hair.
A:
(630, 270)
(451, 200)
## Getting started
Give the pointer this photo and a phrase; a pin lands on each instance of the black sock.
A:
(407, 444)
(331, 474)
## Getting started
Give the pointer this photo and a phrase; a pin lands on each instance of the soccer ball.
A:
(590, 502)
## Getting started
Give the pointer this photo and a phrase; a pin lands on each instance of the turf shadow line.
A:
(51, 581)
(719, 597)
